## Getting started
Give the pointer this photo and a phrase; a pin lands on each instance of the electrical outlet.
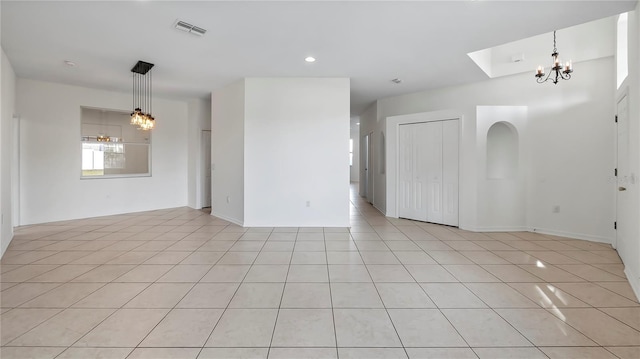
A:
(308, 203)
(555, 209)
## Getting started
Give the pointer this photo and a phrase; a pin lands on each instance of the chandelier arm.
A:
(565, 76)
(541, 80)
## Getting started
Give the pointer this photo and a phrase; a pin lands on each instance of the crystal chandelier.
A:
(557, 69)
(142, 83)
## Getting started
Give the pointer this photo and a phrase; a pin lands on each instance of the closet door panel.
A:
(433, 170)
(411, 180)
(450, 172)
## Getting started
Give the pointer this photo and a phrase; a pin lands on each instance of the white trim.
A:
(586, 237)
(392, 151)
(634, 282)
(380, 210)
(15, 174)
(498, 229)
(228, 219)
(201, 172)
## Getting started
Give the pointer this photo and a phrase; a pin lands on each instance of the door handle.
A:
(622, 189)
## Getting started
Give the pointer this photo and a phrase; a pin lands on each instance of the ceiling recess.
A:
(192, 29)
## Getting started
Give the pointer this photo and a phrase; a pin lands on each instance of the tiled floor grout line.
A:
(385, 307)
(284, 288)
(163, 318)
(333, 314)
(437, 308)
(424, 291)
(231, 298)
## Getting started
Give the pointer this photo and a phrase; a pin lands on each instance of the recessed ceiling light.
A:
(358, 123)
(310, 59)
(69, 63)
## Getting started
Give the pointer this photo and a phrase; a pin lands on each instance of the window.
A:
(622, 66)
(351, 152)
(111, 147)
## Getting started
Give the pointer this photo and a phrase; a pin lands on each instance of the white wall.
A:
(7, 110)
(51, 188)
(297, 152)
(354, 173)
(570, 132)
(227, 152)
(631, 86)
(199, 119)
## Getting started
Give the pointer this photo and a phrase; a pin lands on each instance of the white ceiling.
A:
(424, 43)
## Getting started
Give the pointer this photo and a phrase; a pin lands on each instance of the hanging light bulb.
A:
(137, 117)
(148, 124)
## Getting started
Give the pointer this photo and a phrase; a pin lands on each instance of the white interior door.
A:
(368, 170)
(433, 167)
(412, 177)
(206, 168)
(623, 180)
(450, 172)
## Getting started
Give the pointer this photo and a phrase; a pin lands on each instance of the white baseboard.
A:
(497, 229)
(379, 210)
(633, 281)
(586, 237)
(228, 219)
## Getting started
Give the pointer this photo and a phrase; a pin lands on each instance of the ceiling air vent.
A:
(192, 29)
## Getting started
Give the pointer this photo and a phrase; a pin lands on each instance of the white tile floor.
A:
(179, 283)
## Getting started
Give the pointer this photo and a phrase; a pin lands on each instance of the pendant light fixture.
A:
(557, 69)
(142, 91)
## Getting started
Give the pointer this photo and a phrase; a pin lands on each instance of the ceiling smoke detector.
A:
(192, 29)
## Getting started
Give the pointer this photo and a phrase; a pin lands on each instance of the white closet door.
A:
(450, 175)
(411, 176)
(433, 168)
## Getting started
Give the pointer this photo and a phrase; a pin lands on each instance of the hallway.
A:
(178, 283)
